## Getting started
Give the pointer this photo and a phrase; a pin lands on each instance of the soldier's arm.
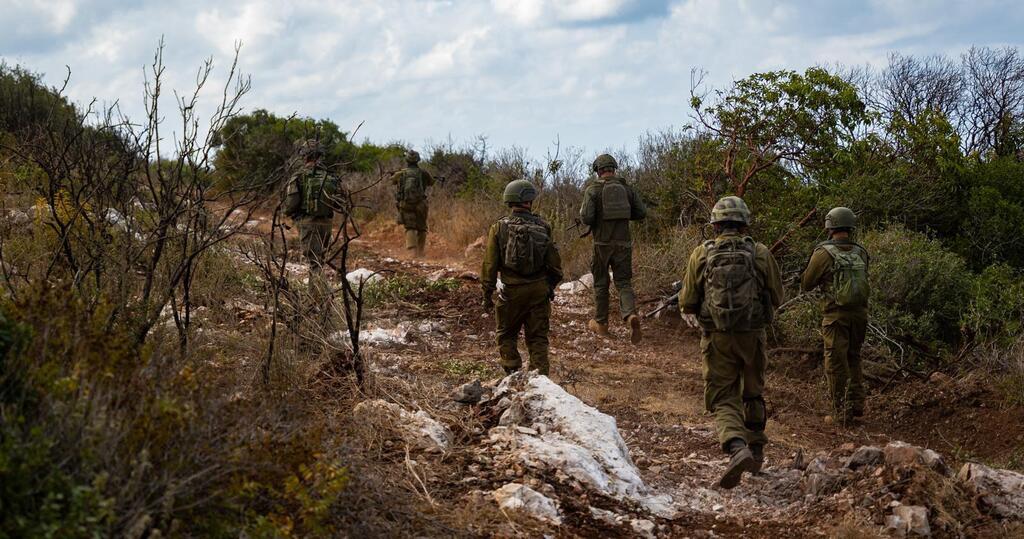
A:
(588, 212)
(553, 261)
(816, 267)
(637, 209)
(292, 197)
(773, 279)
(489, 270)
(690, 294)
(428, 180)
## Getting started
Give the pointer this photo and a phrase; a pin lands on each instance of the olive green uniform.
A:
(413, 215)
(734, 362)
(843, 331)
(524, 302)
(314, 232)
(613, 248)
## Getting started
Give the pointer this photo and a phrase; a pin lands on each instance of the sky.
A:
(593, 74)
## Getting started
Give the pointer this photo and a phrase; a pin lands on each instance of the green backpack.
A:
(733, 295)
(526, 246)
(412, 190)
(614, 201)
(318, 189)
(850, 286)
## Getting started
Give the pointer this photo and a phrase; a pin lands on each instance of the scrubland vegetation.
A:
(123, 412)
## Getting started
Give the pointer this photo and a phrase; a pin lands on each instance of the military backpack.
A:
(526, 245)
(318, 190)
(733, 289)
(411, 189)
(615, 201)
(849, 276)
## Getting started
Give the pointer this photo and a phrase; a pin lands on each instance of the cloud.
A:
(596, 73)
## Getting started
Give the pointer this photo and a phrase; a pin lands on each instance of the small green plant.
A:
(466, 367)
(405, 288)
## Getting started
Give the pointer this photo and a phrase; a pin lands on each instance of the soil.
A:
(654, 390)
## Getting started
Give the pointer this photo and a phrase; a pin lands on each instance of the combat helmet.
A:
(519, 191)
(309, 148)
(604, 161)
(840, 217)
(412, 157)
(730, 209)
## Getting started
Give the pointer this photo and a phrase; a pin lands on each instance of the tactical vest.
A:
(525, 247)
(734, 291)
(615, 201)
(317, 190)
(850, 286)
(410, 188)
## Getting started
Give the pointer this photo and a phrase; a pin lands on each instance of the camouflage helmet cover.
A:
(309, 148)
(604, 161)
(840, 217)
(731, 208)
(518, 191)
(412, 157)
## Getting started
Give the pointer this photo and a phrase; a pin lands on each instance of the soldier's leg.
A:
(509, 316)
(421, 228)
(412, 239)
(599, 269)
(721, 372)
(622, 268)
(857, 392)
(836, 336)
(755, 416)
(537, 327)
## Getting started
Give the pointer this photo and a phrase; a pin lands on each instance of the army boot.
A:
(411, 240)
(740, 460)
(598, 328)
(634, 329)
(757, 450)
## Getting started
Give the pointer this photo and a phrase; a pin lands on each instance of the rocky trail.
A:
(617, 442)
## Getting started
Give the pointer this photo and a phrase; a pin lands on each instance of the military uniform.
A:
(314, 230)
(613, 244)
(843, 330)
(524, 301)
(412, 214)
(734, 362)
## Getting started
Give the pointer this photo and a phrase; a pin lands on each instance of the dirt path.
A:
(654, 390)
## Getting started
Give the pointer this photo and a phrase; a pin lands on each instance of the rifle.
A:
(576, 224)
(667, 301)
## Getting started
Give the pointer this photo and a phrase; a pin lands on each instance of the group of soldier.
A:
(731, 288)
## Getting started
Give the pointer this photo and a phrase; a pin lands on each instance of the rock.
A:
(523, 499)
(643, 527)
(798, 461)
(914, 519)
(608, 517)
(469, 393)
(904, 454)
(437, 275)
(582, 284)
(475, 247)
(363, 276)
(821, 484)
(397, 335)
(18, 217)
(865, 456)
(469, 276)
(115, 218)
(417, 429)
(580, 442)
(941, 379)
(252, 224)
(998, 492)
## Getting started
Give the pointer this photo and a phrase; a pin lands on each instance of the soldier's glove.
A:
(488, 301)
(691, 320)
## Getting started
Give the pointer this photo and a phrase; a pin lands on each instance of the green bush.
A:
(918, 288)
(997, 308)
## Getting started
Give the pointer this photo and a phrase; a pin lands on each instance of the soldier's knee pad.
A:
(755, 413)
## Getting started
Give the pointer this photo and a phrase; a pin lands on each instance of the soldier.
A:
(733, 286)
(839, 266)
(520, 248)
(609, 204)
(311, 200)
(411, 185)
